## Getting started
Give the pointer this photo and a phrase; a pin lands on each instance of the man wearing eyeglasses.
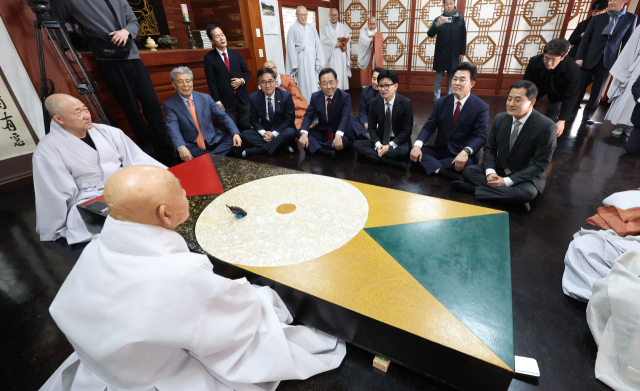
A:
(558, 77)
(286, 83)
(390, 125)
(332, 107)
(272, 117)
(189, 122)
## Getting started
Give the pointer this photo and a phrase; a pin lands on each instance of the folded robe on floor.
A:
(623, 221)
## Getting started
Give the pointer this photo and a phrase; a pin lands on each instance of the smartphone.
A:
(448, 19)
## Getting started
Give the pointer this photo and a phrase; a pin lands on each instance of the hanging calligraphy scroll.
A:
(17, 138)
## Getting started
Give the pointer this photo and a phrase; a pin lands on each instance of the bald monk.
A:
(71, 165)
(287, 83)
(143, 312)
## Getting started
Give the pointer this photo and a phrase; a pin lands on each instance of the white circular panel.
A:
(290, 219)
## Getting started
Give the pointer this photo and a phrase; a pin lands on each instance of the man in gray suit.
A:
(517, 152)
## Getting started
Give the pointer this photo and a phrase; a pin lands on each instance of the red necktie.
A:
(226, 62)
(456, 113)
(331, 134)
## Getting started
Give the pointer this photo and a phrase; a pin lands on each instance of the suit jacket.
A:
(284, 111)
(635, 91)
(289, 85)
(562, 85)
(576, 37)
(594, 45)
(219, 78)
(181, 128)
(339, 114)
(367, 96)
(531, 152)
(470, 129)
(401, 119)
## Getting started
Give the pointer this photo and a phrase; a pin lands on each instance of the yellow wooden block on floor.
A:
(381, 363)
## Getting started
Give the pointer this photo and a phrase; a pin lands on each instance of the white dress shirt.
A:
(507, 181)
(266, 104)
(462, 101)
(222, 57)
(391, 143)
(338, 132)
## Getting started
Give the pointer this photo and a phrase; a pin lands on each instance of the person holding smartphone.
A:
(451, 44)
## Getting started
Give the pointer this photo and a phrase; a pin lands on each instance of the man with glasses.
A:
(390, 125)
(360, 124)
(558, 77)
(189, 120)
(462, 121)
(272, 115)
(332, 108)
(286, 83)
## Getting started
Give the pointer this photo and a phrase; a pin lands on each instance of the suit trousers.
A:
(632, 145)
(519, 193)
(599, 74)
(437, 84)
(553, 111)
(315, 142)
(435, 157)
(239, 114)
(366, 149)
(358, 129)
(283, 138)
(222, 148)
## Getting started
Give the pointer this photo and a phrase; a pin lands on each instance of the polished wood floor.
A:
(588, 165)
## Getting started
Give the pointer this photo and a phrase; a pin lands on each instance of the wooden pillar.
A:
(252, 26)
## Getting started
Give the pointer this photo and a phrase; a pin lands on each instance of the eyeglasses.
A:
(385, 86)
(268, 82)
(328, 84)
(551, 60)
(185, 81)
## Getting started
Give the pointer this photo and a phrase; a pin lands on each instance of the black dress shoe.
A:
(450, 174)
(463, 187)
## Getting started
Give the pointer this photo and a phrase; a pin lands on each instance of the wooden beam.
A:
(251, 25)
(505, 50)
(412, 20)
(566, 21)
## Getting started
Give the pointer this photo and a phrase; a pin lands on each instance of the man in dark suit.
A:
(632, 145)
(390, 125)
(518, 151)
(227, 73)
(332, 107)
(360, 124)
(189, 122)
(597, 8)
(462, 120)
(557, 77)
(605, 36)
(272, 117)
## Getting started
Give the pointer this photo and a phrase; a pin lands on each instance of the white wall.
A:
(20, 82)
(323, 17)
(273, 43)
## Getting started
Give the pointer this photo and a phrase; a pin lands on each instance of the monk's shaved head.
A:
(372, 19)
(56, 104)
(146, 195)
(300, 8)
(269, 64)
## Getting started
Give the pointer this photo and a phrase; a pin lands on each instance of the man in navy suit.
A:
(272, 117)
(604, 38)
(227, 73)
(462, 120)
(633, 142)
(391, 120)
(360, 124)
(332, 107)
(189, 122)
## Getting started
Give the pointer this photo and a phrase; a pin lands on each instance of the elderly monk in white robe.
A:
(624, 72)
(144, 313)
(368, 58)
(337, 58)
(71, 165)
(305, 59)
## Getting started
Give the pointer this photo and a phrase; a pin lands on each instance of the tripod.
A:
(80, 78)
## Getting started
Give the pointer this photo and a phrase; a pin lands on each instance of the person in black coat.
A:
(597, 8)
(633, 142)
(360, 124)
(558, 77)
(227, 73)
(390, 125)
(517, 153)
(451, 44)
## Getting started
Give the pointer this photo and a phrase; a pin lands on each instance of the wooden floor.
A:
(588, 165)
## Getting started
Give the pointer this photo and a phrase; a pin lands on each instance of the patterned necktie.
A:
(456, 113)
(331, 133)
(200, 138)
(514, 134)
(270, 111)
(386, 134)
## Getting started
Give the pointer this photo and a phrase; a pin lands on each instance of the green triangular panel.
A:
(465, 263)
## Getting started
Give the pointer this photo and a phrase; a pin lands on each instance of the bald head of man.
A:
(70, 113)
(146, 195)
(373, 23)
(333, 15)
(301, 14)
(270, 65)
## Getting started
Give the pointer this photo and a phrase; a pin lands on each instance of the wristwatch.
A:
(468, 150)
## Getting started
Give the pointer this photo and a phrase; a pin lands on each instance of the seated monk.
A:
(287, 83)
(71, 165)
(144, 313)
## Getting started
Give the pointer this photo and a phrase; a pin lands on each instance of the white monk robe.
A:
(338, 60)
(365, 53)
(144, 313)
(304, 52)
(624, 73)
(67, 172)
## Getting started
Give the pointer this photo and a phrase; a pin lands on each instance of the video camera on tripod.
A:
(81, 80)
